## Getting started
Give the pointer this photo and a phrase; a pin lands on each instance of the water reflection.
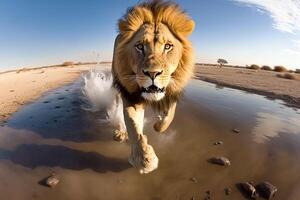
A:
(265, 118)
(270, 125)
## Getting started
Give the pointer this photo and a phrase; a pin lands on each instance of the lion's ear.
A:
(187, 28)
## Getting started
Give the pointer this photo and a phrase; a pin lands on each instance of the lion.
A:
(152, 63)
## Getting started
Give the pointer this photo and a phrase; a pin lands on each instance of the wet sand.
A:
(55, 134)
(256, 81)
(19, 87)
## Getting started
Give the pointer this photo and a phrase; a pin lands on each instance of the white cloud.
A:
(285, 13)
(295, 50)
(297, 44)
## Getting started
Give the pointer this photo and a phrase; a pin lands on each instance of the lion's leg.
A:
(120, 135)
(142, 155)
(167, 118)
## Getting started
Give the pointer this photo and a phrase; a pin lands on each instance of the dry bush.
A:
(287, 76)
(68, 63)
(297, 71)
(22, 70)
(280, 69)
(266, 67)
(254, 67)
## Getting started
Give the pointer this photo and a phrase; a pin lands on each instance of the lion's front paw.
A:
(143, 156)
(120, 136)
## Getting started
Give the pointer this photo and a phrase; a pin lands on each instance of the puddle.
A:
(55, 134)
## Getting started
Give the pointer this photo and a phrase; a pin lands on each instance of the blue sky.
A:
(43, 32)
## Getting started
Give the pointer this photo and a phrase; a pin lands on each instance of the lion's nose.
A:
(152, 74)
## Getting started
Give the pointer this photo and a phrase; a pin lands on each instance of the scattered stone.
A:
(52, 181)
(249, 189)
(227, 191)
(194, 179)
(266, 190)
(61, 98)
(235, 130)
(11, 90)
(218, 143)
(46, 102)
(220, 161)
(57, 107)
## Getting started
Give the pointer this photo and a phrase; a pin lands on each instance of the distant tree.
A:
(222, 62)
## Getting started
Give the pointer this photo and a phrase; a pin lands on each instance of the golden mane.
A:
(153, 12)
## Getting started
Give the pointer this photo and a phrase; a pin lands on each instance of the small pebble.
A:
(218, 143)
(194, 179)
(52, 181)
(220, 161)
(236, 130)
(227, 191)
(266, 190)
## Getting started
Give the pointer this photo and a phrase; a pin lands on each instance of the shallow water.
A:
(55, 134)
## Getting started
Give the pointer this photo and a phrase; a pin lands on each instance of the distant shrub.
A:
(222, 61)
(287, 76)
(266, 67)
(297, 71)
(68, 63)
(254, 67)
(291, 71)
(280, 69)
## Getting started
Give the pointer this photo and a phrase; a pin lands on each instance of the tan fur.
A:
(153, 24)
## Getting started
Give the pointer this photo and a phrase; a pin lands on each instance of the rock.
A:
(249, 189)
(52, 181)
(220, 161)
(218, 143)
(235, 130)
(194, 179)
(227, 191)
(266, 190)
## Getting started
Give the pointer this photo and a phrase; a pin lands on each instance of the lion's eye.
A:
(139, 47)
(168, 46)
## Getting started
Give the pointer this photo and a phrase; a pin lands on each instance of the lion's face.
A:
(155, 55)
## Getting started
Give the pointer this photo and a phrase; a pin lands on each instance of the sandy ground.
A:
(20, 87)
(259, 82)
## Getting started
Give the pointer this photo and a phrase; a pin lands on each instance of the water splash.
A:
(99, 95)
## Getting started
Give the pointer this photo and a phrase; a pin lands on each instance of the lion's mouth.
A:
(153, 89)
